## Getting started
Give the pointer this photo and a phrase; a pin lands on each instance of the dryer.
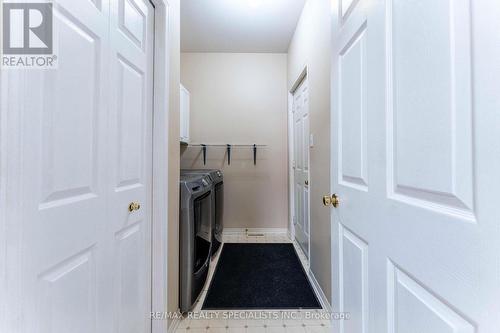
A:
(217, 178)
(196, 224)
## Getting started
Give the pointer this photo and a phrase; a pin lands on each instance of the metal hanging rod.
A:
(224, 145)
(228, 148)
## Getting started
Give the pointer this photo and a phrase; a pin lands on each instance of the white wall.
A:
(241, 98)
(310, 46)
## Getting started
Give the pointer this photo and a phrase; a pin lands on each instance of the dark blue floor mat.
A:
(260, 276)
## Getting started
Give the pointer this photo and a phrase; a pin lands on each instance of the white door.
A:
(301, 164)
(85, 136)
(415, 157)
(130, 161)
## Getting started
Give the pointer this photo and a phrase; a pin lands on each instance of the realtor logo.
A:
(28, 36)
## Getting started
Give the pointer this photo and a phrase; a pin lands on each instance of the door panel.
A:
(130, 297)
(353, 169)
(130, 108)
(132, 21)
(69, 285)
(70, 124)
(413, 117)
(353, 265)
(412, 308)
(429, 112)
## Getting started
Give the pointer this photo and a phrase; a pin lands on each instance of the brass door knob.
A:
(331, 200)
(134, 206)
(335, 200)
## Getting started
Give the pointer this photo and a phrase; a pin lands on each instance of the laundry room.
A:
(244, 145)
(235, 105)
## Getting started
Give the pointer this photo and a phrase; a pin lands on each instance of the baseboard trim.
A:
(319, 292)
(242, 231)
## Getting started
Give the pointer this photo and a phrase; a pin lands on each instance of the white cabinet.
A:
(184, 115)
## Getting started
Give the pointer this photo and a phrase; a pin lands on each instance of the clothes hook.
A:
(228, 154)
(254, 154)
(204, 150)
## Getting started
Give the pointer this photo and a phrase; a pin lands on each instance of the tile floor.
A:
(304, 321)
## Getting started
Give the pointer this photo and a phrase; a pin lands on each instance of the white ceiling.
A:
(238, 25)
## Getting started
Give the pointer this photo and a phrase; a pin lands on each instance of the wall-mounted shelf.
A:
(229, 148)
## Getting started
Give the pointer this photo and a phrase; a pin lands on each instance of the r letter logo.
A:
(28, 35)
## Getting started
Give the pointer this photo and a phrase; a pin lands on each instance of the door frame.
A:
(160, 181)
(303, 76)
(12, 84)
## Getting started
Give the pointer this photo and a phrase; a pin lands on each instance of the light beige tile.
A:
(236, 323)
(217, 330)
(255, 323)
(311, 319)
(274, 322)
(289, 322)
(318, 329)
(259, 329)
(295, 329)
(236, 330)
(279, 329)
(199, 323)
(217, 323)
(196, 330)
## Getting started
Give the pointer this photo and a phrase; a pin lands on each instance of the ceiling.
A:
(238, 25)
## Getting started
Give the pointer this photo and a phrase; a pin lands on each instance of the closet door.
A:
(130, 161)
(301, 164)
(78, 259)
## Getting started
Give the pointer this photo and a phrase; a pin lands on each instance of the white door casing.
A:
(300, 162)
(415, 156)
(77, 249)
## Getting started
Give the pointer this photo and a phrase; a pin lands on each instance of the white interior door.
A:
(415, 157)
(130, 160)
(301, 165)
(85, 138)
